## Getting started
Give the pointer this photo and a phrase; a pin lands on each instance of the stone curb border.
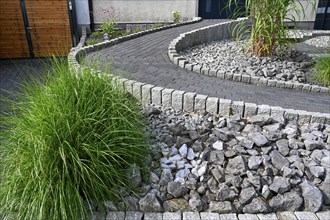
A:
(189, 101)
(220, 32)
(131, 215)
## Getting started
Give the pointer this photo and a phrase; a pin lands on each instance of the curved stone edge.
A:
(192, 102)
(133, 215)
(218, 32)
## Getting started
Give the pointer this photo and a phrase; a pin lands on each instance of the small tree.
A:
(267, 28)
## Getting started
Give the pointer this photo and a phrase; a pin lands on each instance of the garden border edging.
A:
(220, 32)
(188, 101)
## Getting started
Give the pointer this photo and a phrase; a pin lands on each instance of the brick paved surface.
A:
(145, 59)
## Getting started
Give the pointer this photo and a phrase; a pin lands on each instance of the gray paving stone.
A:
(291, 114)
(224, 107)
(115, 216)
(263, 109)
(276, 112)
(188, 101)
(189, 66)
(120, 82)
(156, 95)
(297, 86)
(288, 85)
(237, 77)
(238, 107)
(231, 216)
(315, 88)
(229, 76)
(128, 86)
(254, 80)
(167, 97)
(306, 87)
(197, 68)
(172, 216)
(177, 59)
(280, 84)
(317, 118)
(271, 216)
(182, 63)
(246, 78)
(200, 103)
(146, 93)
(205, 71)
(263, 82)
(98, 216)
(247, 217)
(212, 72)
(286, 216)
(190, 216)
(137, 90)
(209, 216)
(153, 216)
(134, 216)
(221, 74)
(306, 216)
(272, 83)
(303, 117)
(177, 99)
(212, 105)
(250, 109)
(323, 215)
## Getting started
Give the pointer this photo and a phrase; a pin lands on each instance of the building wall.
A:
(144, 11)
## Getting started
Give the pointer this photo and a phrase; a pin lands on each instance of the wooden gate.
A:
(34, 28)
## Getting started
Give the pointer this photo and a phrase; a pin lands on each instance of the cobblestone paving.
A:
(145, 59)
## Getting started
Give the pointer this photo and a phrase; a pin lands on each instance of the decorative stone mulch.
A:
(207, 163)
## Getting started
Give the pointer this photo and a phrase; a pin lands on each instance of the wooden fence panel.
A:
(13, 43)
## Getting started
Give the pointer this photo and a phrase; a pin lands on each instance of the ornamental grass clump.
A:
(322, 71)
(67, 142)
(266, 23)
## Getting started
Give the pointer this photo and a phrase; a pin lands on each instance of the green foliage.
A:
(66, 143)
(176, 16)
(109, 27)
(158, 25)
(93, 41)
(267, 30)
(97, 34)
(322, 70)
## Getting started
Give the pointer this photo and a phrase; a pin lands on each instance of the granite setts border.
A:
(219, 32)
(188, 101)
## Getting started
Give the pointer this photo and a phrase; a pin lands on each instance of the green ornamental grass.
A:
(65, 143)
(322, 71)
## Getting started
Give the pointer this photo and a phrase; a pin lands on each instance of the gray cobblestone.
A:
(172, 216)
(286, 216)
(250, 109)
(177, 99)
(189, 67)
(254, 80)
(280, 84)
(224, 107)
(306, 88)
(153, 216)
(297, 86)
(305, 216)
(237, 77)
(231, 216)
(271, 216)
(177, 59)
(272, 83)
(246, 78)
(190, 216)
(182, 63)
(229, 76)
(128, 85)
(288, 85)
(120, 82)
(134, 215)
(303, 117)
(115, 216)
(263, 82)
(197, 68)
(167, 97)
(221, 74)
(238, 107)
(205, 71)
(276, 112)
(156, 95)
(291, 115)
(212, 72)
(323, 215)
(263, 109)
(98, 216)
(212, 105)
(317, 117)
(315, 88)
(146, 93)
(209, 216)
(200, 103)
(188, 101)
(137, 90)
(247, 217)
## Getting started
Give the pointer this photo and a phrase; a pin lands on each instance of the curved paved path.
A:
(145, 59)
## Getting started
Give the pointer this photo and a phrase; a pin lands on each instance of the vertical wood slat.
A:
(12, 31)
(49, 27)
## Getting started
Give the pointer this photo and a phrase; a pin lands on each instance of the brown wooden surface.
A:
(13, 43)
(49, 28)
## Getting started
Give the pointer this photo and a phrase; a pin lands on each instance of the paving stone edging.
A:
(219, 32)
(188, 101)
(324, 215)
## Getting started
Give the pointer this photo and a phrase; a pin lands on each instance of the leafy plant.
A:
(97, 34)
(93, 41)
(322, 71)
(176, 16)
(266, 23)
(109, 24)
(67, 142)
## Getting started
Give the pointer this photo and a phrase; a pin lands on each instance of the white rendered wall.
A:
(82, 9)
(144, 11)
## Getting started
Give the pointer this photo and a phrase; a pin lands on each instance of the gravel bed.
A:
(229, 56)
(322, 42)
(202, 162)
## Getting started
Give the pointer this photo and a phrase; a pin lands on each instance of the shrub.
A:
(322, 70)
(67, 143)
(97, 34)
(176, 16)
(109, 21)
(268, 30)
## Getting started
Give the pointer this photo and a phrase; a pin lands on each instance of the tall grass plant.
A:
(65, 142)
